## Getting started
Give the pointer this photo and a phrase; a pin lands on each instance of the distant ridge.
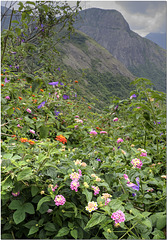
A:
(141, 56)
(158, 38)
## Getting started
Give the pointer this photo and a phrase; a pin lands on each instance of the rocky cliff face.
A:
(141, 56)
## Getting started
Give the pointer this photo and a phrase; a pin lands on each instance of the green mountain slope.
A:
(140, 55)
(100, 75)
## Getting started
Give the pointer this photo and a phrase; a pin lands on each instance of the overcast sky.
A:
(143, 17)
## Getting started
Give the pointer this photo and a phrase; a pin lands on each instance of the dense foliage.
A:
(70, 171)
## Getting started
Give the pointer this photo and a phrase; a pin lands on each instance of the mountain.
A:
(100, 75)
(140, 56)
(158, 38)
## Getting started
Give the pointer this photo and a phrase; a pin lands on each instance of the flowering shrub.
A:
(60, 181)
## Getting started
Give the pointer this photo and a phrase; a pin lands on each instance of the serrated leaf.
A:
(29, 208)
(161, 222)
(34, 190)
(15, 204)
(62, 232)
(147, 223)
(19, 215)
(88, 195)
(24, 174)
(96, 219)
(33, 230)
(30, 224)
(50, 227)
(74, 233)
(42, 200)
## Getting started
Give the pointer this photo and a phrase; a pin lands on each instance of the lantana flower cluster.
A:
(106, 196)
(23, 140)
(118, 217)
(96, 190)
(59, 200)
(137, 163)
(92, 206)
(61, 138)
(75, 180)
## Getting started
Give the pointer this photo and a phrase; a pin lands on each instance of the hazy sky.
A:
(143, 17)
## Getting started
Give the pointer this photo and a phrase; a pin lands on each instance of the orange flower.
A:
(30, 86)
(34, 117)
(13, 136)
(97, 128)
(34, 101)
(24, 140)
(33, 95)
(18, 79)
(2, 85)
(18, 108)
(61, 138)
(20, 98)
(41, 90)
(31, 142)
(1, 74)
(89, 107)
(76, 81)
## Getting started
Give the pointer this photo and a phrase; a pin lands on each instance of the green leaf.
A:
(7, 156)
(74, 233)
(43, 131)
(30, 224)
(28, 2)
(96, 219)
(34, 190)
(62, 232)
(15, 204)
(147, 223)
(29, 208)
(33, 230)
(50, 227)
(24, 174)
(42, 200)
(161, 222)
(19, 215)
(88, 195)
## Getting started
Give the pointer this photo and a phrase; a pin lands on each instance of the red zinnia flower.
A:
(2, 85)
(76, 81)
(20, 98)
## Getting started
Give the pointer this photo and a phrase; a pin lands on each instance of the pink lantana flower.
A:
(76, 176)
(54, 188)
(32, 131)
(118, 216)
(119, 140)
(103, 132)
(96, 190)
(115, 119)
(59, 200)
(93, 132)
(7, 97)
(137, 163)
(28, 110)
(127, 178)
(16, 194)
(143, 153)
(74, 185)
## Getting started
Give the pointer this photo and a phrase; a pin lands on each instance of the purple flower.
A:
(98, 159)
(61, 83)
(41, 25)
(53, 83)
(36, 27)
(133, 96)
(75, 95)
(58, 69)
(4, 70)
(23, 40)
(6, 81)
(13, 52)
(116, 107)
(65, 96)
(42, 104)
(56, 112)
(16, 66)
(133, 194)
(10, 65)
(42, 30)
(134, 186)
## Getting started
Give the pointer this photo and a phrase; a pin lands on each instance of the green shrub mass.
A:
(70, 170)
